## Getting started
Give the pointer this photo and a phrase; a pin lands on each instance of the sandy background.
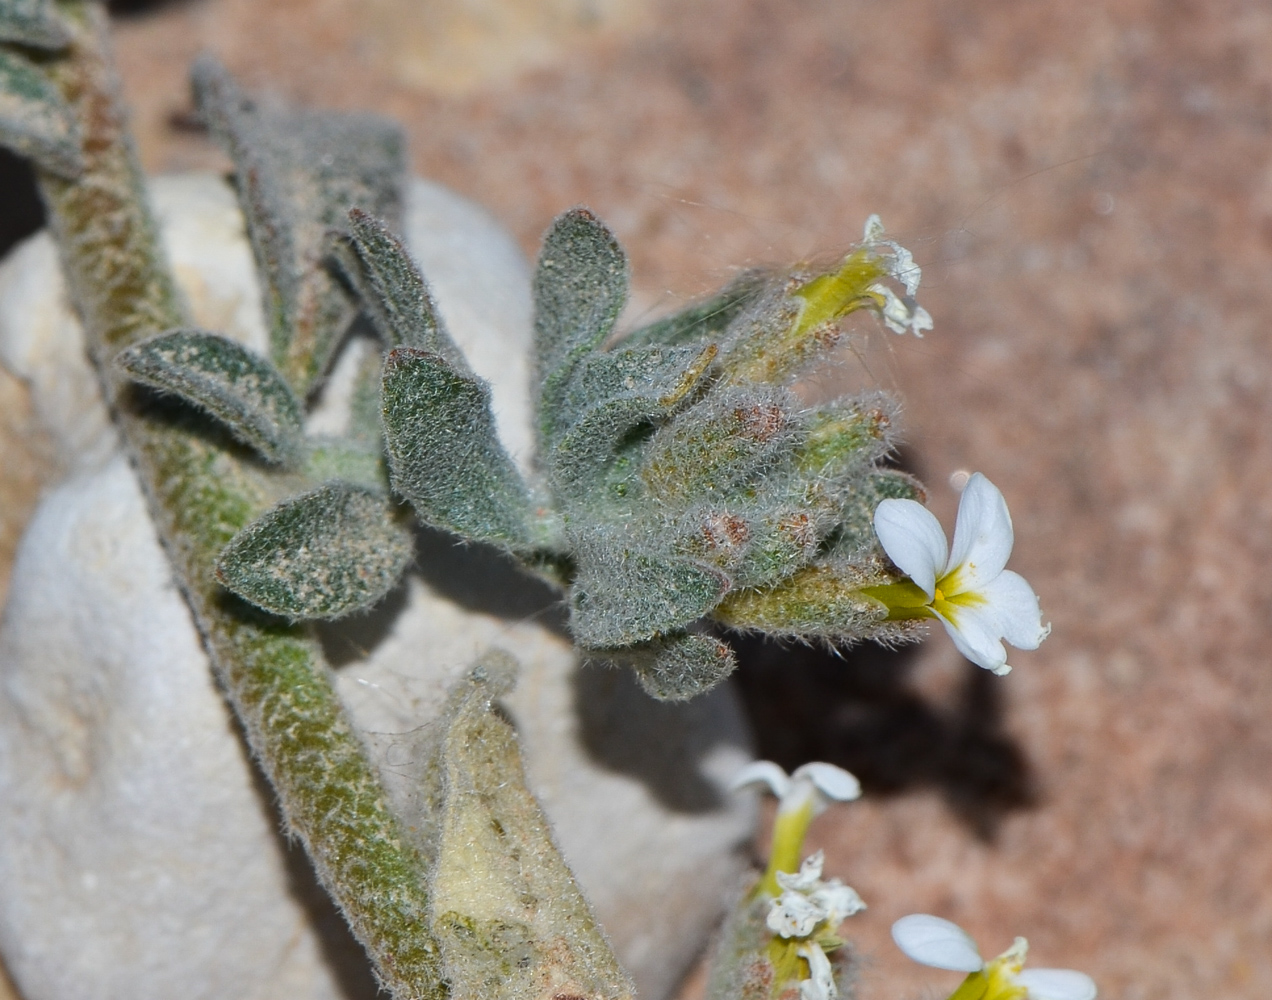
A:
(1089, 190)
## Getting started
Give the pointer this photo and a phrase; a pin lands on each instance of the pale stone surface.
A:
(138, 852)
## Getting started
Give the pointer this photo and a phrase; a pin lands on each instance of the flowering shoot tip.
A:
(968, 589)
(942, 944)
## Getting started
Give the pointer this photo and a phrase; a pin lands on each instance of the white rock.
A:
(139, 853)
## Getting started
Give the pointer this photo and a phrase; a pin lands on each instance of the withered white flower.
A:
(807, 901)
(942, 944)
(793, 914)
(820, 984)
(900, 315)
(979, 602)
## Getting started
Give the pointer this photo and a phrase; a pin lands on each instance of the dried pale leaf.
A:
(443, 451)
(507, 912)
(323, 554)
(238, 387)
(35, 121)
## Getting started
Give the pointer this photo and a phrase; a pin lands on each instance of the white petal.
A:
(982, 535)
(873, 231)
(1016, 606)
(820, 984)
(807, 877)
(839, 901)
(905, 270)
(833, 782)
(1057, 984)
(762, 772)
(792, 914)
(920, 319)
(976, 634)
(913, 539)
(939, 943)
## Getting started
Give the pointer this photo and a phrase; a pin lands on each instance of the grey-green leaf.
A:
(34, 119)
(680, 667)
(323, 554)
(394, 291)
(705, 320)
(580, 287)
(625, 593)
(32, 22)
(443, 451)
(299, 173)
(238, 387)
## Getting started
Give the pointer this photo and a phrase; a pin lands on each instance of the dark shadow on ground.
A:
(859, 710)
(21, 211)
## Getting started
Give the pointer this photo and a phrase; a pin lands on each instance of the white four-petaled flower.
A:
(942, 944)
(979, 602)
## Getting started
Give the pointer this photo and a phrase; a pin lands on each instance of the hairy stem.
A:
(202, 490)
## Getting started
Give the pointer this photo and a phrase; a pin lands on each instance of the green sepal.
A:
(820, 601)
(323, 554)
(298, 174)
(854, 536)
(705, 320)
(394, 292)
(719, 444)
(222, 377)
(841, 436)
(625, 593)
(35, 120)
(444, 454)
(580, 287)
(635, 387)
(34, 23)
(680, 667)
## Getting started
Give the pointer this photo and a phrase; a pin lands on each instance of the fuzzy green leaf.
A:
(323, 554)
(299, 173)
(680, 667)
(706, 320)
(580, 287)
(625, 593)
(510, 919)
(32, 22)
(34, 119)
(394, 291)
(443, 451)
(238, 387)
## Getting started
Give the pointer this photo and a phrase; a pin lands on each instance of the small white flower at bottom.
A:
(942, 944)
